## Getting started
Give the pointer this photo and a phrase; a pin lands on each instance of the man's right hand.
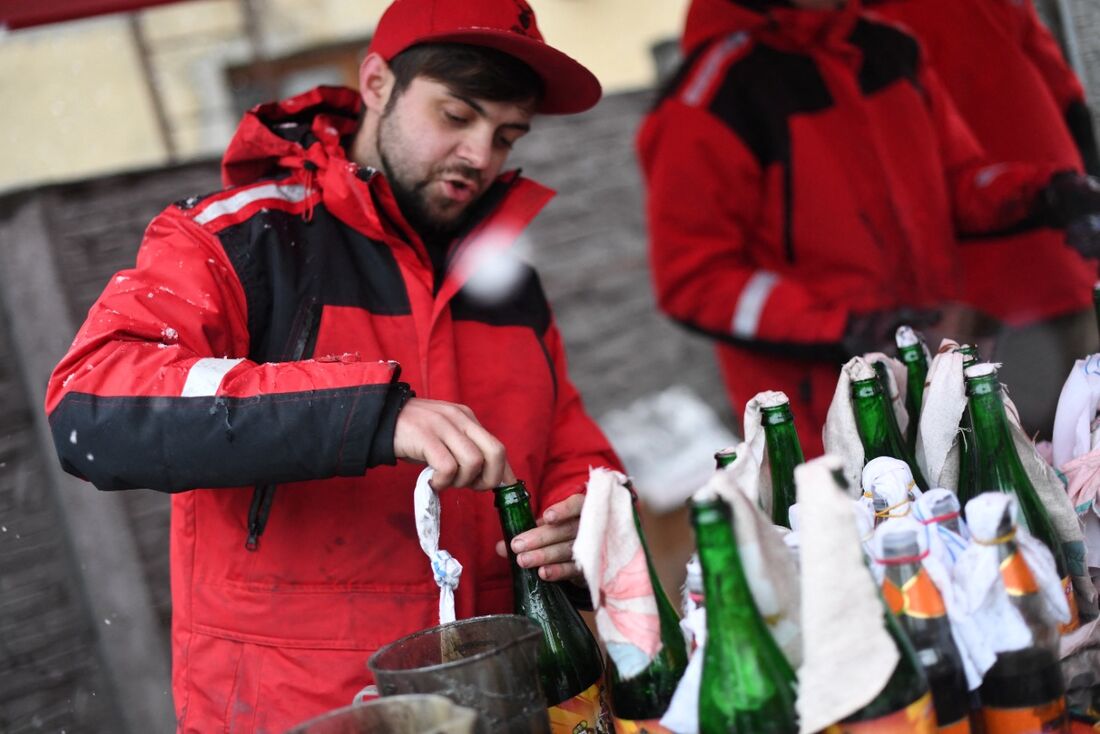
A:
(448, 438)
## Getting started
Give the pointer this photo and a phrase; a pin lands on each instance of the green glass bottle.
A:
(784, 454)
(966, 489)
(878, 427)
(918, 605)
(914, 355)
(569, 658)
(724, 458)
(747, 685)
(638, 703)
(997, 466)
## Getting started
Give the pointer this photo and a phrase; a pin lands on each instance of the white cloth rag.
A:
(976, 654)
(612, 559)
(847, 655)
(937, 451)
(891, 480)
(1076, 450)
(943, 542)
(446, 570)
(977, 575)
(840, 435)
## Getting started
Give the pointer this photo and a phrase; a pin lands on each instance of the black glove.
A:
(874, 331)
(1071, 201)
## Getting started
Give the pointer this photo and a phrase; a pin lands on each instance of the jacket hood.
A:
(776, 20)
(316, 126)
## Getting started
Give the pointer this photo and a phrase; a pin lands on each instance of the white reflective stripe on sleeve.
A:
(206, 375)
(746, 317)
(713, 62)
(240, 200)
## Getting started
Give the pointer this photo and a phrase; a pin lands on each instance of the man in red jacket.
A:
(288, 352)
(806, 177)
(1013, 88)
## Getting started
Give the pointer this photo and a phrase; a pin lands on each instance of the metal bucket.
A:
(421, 713)
(489, 664)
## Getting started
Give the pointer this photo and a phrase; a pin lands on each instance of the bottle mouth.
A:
(906, 337)
(510, 494)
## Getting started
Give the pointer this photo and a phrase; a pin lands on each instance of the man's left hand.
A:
(549, 547)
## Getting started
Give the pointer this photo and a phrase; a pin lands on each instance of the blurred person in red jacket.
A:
(806, 177)
(1012, 86)
(289, 352)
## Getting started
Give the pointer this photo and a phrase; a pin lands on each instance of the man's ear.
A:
(375, 83)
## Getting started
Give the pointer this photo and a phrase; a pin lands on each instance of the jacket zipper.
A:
(300, 341)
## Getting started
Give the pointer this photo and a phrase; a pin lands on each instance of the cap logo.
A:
(524, 17)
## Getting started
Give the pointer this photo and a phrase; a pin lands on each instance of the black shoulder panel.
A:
(759, 94)
(889, 55)
(525, 305)
(287, 264)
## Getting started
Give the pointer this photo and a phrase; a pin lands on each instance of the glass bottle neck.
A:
(731, 610)
(784, 454)
(872, 421)
(514, 507)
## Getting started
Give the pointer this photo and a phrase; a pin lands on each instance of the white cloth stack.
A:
(610, 555)
(446, 570)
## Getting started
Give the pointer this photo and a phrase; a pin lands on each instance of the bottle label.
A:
(1071, 598)
(1017, 576)
(962, 726)
(917, 597)
(639, 726)
(918, 717)
(581, 714)
(1032, 720)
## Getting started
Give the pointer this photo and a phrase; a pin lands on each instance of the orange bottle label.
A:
(1071, 598)
(962, 726)
(894, 597)
(1017, 576)
(1050, 717)
(922, 598)
(581, 714)
(917, 597)
(639, 726)
(917, 718)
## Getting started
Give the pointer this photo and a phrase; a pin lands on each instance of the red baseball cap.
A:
(504, 25)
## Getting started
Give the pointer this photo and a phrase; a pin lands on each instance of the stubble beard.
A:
(410, 193)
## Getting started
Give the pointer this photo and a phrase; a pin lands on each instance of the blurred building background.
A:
(109, 118)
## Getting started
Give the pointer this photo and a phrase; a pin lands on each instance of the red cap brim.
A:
(568, 87)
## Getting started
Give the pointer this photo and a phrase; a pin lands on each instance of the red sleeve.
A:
(157, 389)
(704, 190)
(987, 196)
(576, 443)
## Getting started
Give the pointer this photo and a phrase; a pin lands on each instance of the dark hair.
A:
(473, 71)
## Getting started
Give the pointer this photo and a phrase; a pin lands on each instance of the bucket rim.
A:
(532, 631)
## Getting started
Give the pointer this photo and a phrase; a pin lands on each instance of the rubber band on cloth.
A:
(900, 560)
(999, 540)
(887, 512)
(941, 518)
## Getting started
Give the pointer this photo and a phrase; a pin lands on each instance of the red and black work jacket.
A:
(1011, 84)
(804, 166)
(253, 363)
